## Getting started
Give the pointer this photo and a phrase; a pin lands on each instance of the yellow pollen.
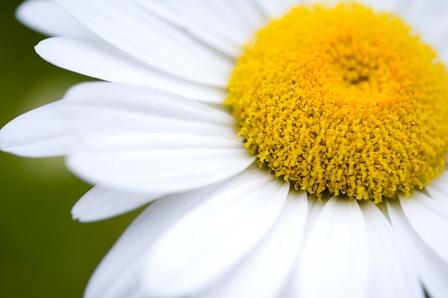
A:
(343, 100)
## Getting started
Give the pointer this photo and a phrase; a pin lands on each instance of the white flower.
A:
(157, 132)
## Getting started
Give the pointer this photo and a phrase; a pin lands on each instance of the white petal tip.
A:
(3, 140)
(39, 46)
(81, 218)
(25, 13)
(102, 203)
(43, 48)
(8, 143)
(76, 216)
(82, 215)
(21, 12)
(38, 133)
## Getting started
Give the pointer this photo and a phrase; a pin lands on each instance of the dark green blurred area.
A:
(43, 252)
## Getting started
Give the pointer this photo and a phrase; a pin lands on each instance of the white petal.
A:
(48, 18)
(442, 180)
(246, 12)
(197, 14)
(335, 259)
(100, 60)
(428, 222)
(144, 101)
(438, 191)
(438, 199)
(152, 41)
(141, 163)
(102, 203)
(292, 289)
(119, 273)
(387, 5)
(429, 21)
(189, 21)
(276, 8)
(267, 269)
(38, 133)
(432, 271)
(392, 276)
(97, 109)
(224, 25)
(208, 241)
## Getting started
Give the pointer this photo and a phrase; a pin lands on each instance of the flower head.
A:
(345, 100)
(341, 106)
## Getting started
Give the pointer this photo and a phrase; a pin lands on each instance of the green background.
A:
(43, 252)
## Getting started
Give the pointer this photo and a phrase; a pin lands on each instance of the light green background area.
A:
(43, 252)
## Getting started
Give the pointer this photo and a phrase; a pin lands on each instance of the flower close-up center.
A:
(343, 100)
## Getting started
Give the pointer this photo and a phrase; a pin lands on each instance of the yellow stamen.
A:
(343, 100)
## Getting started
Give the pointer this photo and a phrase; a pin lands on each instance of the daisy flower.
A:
(288, 148)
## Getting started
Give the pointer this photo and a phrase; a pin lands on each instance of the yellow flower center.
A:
(343, 100)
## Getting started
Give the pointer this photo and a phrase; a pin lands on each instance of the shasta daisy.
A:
(288, 148)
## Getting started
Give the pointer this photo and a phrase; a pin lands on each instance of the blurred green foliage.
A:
(43, 252)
